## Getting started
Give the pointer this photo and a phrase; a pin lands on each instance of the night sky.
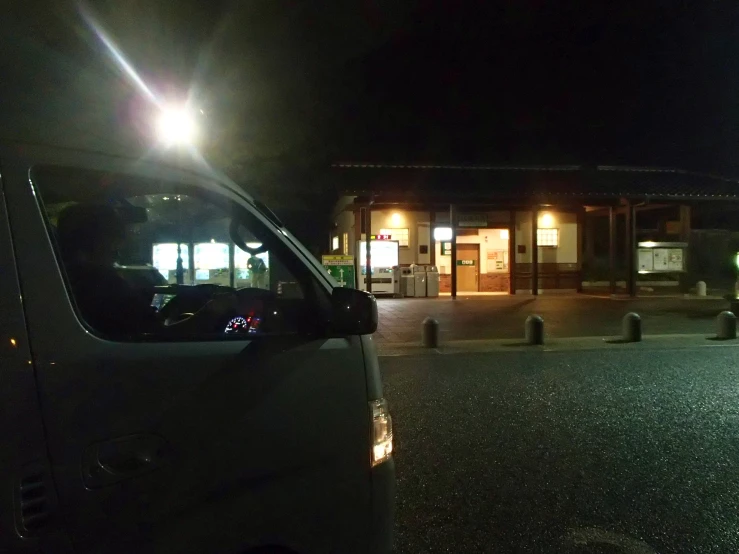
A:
(538, 82)
(290, 87)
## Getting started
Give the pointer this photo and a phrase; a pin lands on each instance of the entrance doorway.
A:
(468, 267)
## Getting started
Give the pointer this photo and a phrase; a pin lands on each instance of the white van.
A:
(235, 407)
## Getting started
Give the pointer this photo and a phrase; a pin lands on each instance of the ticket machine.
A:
(384, 256)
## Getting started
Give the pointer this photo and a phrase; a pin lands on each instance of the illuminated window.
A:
(401, 235)
(547, 237)
(334, 243)
(504, 235)
(345, 244)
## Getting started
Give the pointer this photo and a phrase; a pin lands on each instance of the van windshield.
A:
(138, 251)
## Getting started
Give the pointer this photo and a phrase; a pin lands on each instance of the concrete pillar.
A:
(453, 225)
(430, 333)
(534, 329)
(726, 326)
(631, 327)
(534, 251)
(700, 288)
(612, 248)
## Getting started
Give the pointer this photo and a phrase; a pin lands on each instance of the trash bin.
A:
(407, 282)
(432, 281)
(419, 279)
(396, 282)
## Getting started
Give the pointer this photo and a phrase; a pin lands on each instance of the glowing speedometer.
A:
(237, 325)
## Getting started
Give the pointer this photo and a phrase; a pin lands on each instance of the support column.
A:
(612, 249)
(231, 264)
(685, 237)
(357, 235)
(453, 225)
(180, 270)
(631, 249)
(191, 263)
(585, 233)
(535, 251)
(368, 260)
(512, 253)
(432, 240)
(588, 236)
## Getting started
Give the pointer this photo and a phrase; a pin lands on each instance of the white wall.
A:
(345, 224)
(420, 233)
(383, 219)
(565, 253)
(417, 224)
(344, 220)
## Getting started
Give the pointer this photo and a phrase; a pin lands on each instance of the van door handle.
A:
(109, 462)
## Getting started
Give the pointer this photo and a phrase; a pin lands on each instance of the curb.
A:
(649, 342)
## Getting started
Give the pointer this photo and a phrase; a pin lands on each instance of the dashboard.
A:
(253, 311)
(248, 324)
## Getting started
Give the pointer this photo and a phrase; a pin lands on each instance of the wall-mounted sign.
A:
(497, 260)
(465, 262)
(472, 220)
(646, 259)
(446, 248)
(340, 268)
(381, 237)
(675, 259)
(661, 257)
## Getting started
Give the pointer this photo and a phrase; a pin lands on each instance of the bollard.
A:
(700, 288)
(631, 327)
(430, 333)
(726, 326)
(534, 329)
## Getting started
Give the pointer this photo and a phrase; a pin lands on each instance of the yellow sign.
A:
(338, 260)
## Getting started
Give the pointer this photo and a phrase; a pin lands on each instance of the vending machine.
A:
(384, 256)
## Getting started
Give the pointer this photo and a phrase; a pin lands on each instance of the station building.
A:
(524, 229)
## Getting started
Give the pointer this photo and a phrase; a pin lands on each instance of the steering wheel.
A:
(251, 302)
(187, 302)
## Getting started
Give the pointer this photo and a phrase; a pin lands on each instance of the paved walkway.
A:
(502, 317)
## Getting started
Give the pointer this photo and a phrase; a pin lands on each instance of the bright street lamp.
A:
(176, 126)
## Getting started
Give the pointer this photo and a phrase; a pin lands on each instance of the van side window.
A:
(155, 260)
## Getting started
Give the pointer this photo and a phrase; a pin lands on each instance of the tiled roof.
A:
(520, 182)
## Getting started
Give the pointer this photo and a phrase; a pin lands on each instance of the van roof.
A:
(177, 167)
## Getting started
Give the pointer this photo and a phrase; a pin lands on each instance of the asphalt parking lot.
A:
(601, 451)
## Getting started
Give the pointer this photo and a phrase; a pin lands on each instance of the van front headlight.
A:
(382, 432)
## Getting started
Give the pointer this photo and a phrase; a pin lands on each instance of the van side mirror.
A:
(353, 312)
